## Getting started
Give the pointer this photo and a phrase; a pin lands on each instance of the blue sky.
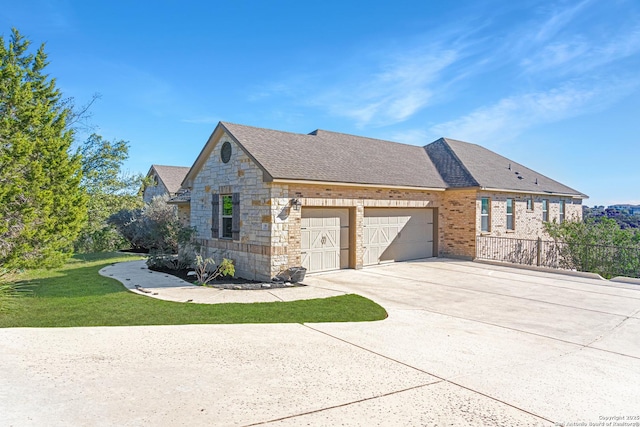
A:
(554, 85)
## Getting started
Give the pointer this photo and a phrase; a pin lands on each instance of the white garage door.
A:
(397, 234)
(324, 239)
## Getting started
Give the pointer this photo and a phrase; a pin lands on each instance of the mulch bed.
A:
(227, 282)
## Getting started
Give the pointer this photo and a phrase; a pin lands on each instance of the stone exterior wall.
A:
(152, 191)
(528, 223)
(251, 254)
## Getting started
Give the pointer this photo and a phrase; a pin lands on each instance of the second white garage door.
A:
(324, 242)
(397, 234)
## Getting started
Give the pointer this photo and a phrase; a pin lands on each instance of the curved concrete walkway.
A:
(136, 277)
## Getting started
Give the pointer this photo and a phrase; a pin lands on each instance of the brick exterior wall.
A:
(528, 223)
(457, 227)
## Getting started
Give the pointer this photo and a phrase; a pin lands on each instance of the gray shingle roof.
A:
(171, 176)
(336, 157)
(462, 164)
(449, 166)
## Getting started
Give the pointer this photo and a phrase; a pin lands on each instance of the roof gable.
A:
(171, 176)
(467, 163)
(208, 148)
(329, 157)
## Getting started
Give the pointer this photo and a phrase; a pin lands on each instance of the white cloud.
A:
(402, 87)
(512, 115)
(575, 38)
(412, 136)
(558, 21)
(581, 53)
(566, 47)
(556, 54)
(623, 46)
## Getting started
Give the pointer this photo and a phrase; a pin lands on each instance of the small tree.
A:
(156, 227)
(163, 230)
(128, 224)
(205, 272)
(599, 246)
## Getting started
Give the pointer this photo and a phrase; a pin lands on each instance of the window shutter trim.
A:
(215, 216)
(235, 219)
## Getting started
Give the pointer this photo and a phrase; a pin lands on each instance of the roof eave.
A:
(353, 184)
(543, 193)
(178, 202)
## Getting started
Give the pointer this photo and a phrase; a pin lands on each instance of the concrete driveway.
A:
(464, 344)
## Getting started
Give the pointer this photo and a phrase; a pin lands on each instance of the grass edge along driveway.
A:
(76, 295)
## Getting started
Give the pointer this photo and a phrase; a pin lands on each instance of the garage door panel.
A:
(385, 254)
(325, 239)
(332, 239)
(371, 235)
(331, 260)
(316, 261)
(397, 234)
(413, 250)
(316, 222)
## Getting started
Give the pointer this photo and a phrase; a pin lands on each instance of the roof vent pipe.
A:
(509, 166)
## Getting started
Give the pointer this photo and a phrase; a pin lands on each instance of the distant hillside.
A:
(627, 216)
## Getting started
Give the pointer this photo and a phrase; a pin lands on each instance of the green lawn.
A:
(76, 295)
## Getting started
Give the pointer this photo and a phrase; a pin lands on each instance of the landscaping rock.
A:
(232, 283)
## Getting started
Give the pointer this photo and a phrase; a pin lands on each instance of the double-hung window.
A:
(484, 214)
(545, 210)
(227, 216)
(530, 203)
(510, 217)
(561, 205)
(225, 221)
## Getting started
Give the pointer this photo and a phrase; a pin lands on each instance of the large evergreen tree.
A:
(42, 206)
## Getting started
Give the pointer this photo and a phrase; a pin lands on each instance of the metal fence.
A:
(608, 261)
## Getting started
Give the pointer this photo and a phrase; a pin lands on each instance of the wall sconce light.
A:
(295, 204)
